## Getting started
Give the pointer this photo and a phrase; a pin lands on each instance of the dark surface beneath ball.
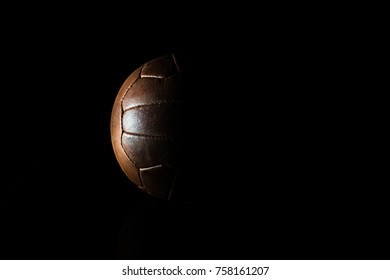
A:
(276, 170)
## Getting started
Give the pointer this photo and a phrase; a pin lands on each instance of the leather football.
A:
(147, 125)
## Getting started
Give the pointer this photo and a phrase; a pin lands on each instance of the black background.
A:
(281, 169)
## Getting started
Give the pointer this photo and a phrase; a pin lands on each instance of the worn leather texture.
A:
(146, 125)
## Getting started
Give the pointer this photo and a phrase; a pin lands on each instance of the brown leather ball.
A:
(146, 125)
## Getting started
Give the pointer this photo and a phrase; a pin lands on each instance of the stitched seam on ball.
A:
(144, 76)
(148, 136)
(152, 76)
(151, 167)
(174, 60)
(152, 104)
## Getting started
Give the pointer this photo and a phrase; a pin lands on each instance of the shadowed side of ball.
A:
(146, 125)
